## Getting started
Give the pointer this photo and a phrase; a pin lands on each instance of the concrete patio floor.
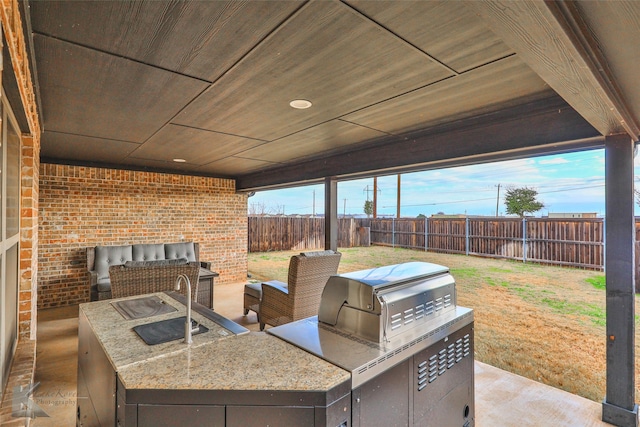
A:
(501, 398)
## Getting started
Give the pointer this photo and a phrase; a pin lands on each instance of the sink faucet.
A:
(188, 330)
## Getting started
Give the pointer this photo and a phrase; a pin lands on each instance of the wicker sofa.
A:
(166, 255)
(145, 277)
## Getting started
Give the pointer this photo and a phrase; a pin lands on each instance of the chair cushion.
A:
(159, 262)
(317, 253)
(253, 289)
(148, 252)
(180, 250)
(106, 256)
(104, 285)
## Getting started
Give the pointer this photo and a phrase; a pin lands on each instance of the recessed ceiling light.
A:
(179, 160)
(300, 104)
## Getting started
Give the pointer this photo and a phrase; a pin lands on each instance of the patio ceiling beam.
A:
(554, 40)
(541, 127)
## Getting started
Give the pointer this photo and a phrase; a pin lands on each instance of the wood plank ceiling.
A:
(395, 85)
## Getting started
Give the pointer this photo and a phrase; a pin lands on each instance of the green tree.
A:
(421, 216)
(521, 200)
(368, 208)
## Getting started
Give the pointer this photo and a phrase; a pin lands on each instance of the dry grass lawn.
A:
(544, 323)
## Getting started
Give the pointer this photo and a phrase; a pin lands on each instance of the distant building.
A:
(446, 216)
(573, 215)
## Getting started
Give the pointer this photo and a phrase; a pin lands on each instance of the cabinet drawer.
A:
(180, 415)
(243, 416)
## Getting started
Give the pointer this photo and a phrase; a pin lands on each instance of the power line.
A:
(572, 189)
(443, 203)
(491, 198)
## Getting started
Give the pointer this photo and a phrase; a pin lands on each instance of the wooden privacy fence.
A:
(570, 242)
(285, 233)
(290, 233)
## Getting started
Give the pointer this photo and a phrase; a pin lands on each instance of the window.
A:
(9, 237)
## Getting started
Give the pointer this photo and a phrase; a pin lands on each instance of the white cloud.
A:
(571, 182)
(554, 161)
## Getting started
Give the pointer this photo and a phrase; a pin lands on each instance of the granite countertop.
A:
(256, 361)
(124, 347)
(217, 359)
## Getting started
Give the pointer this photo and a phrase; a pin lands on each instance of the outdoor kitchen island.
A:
(389, 347)
(226, 377)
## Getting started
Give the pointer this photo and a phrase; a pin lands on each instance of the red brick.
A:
(81, 207)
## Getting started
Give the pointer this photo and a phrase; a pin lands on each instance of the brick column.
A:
(30, 163)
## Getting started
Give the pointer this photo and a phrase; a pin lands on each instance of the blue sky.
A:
(572, 182)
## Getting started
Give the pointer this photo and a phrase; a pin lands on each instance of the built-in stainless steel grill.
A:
(384, 323)
(384, 302)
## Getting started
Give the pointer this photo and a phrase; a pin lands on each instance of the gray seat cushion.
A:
(148, 252)
(106, 256)
(104, 285)
(180, 250)
(317, 253)
(253, 289)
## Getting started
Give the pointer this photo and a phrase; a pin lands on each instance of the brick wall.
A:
(81, 207)
(30, 163)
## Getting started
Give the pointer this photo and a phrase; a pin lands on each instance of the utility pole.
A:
(344, 209)
(498, 201)
(375, 197)
(314, 204)
(398, 202)
(367, 191)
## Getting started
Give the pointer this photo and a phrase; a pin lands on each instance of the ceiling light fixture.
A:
(300, 104)
(179, 160)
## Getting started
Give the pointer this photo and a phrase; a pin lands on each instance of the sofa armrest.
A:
(93, 278)
(275, 286)
(91, 258)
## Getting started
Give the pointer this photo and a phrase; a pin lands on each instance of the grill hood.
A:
(380, 303)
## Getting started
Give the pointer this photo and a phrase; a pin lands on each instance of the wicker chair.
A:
(128, 281)
(299, 298)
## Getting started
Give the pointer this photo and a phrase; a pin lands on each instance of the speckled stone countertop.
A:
(124, 347)
(256, 361)
(216, 359)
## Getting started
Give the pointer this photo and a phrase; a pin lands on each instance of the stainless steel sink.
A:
(166, 330)
(140, 308)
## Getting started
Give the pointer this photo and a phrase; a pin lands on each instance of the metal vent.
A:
(421, 311)
(447, 300)
(439, 363)
(376, 366)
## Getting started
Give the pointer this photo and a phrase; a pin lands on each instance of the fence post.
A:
(426, 234)
(604, 244)
(393, 232)
(524, 240)
(466, 236)
(352, 231)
